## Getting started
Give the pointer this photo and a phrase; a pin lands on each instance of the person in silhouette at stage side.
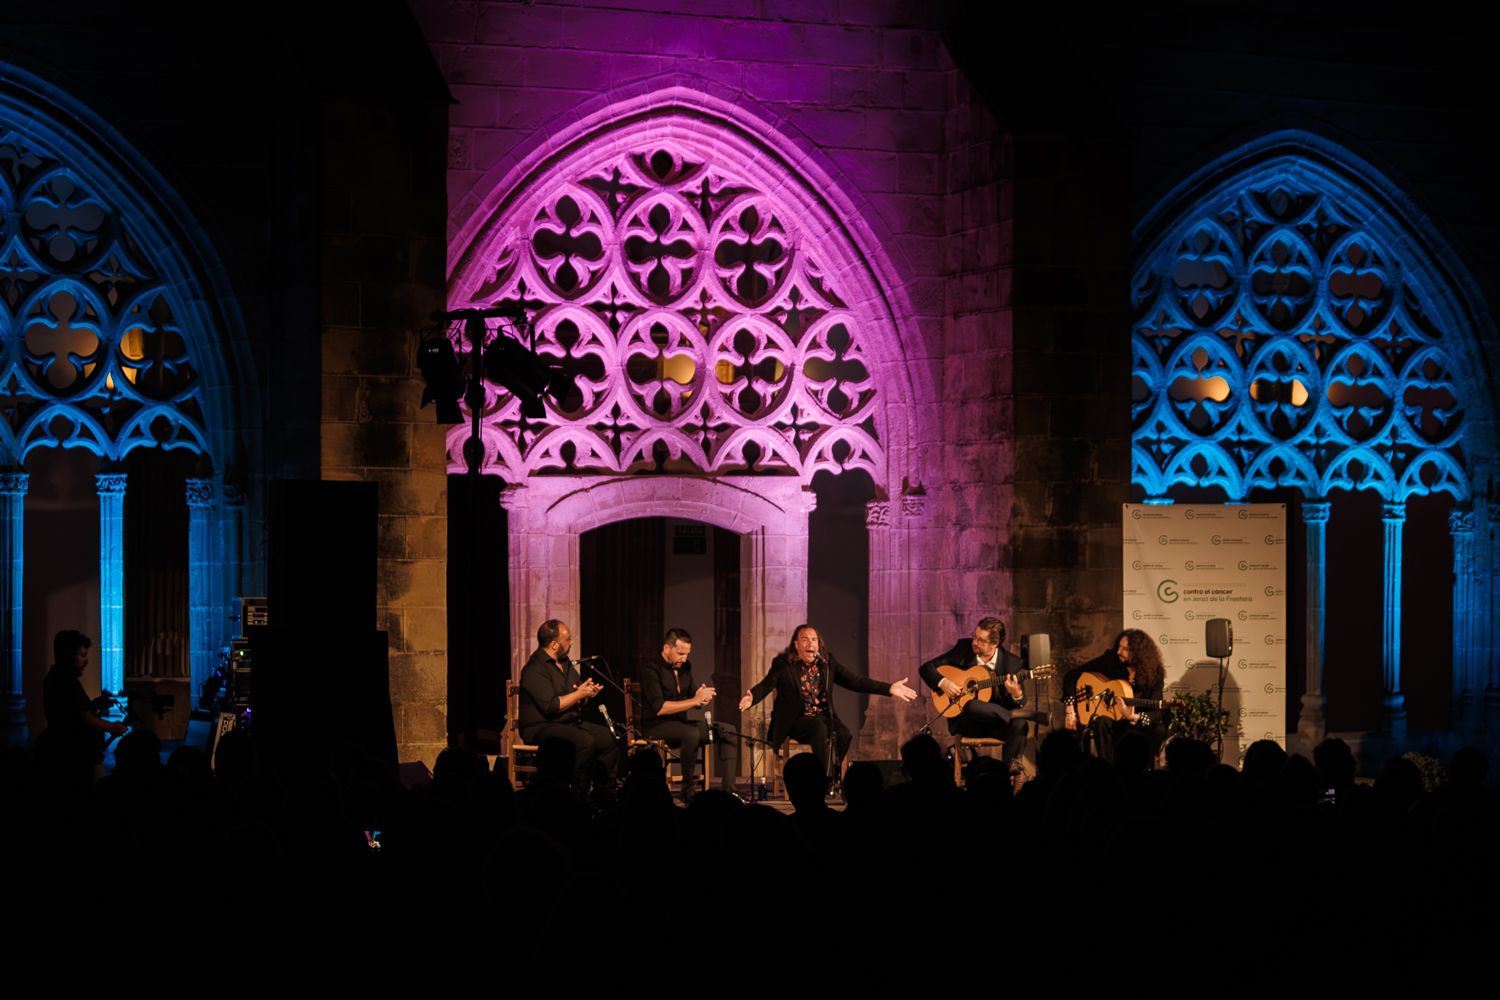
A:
(993, 719)
(667, 695)
(76, 734)
(803, 675)
(1134, 658)
(553, 695)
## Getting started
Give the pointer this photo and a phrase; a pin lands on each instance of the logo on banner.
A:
(1161, 539)
(1166, 592)
(1242, 663)
(1272, 591)
(1273, 540)
(1243, 513)
(1275, 689)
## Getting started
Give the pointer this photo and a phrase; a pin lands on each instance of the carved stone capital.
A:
(515, 498)
(878, 514)
(14, 483)
(234, 494)
(913, 505)
(110, 484)
(200, 492)
(1461, 521)
(1393, 512)
(1316, 511)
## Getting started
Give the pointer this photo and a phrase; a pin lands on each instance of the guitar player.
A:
(994, 718)
(1134, 658)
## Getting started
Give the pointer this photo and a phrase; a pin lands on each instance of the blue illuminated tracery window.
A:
(1285, 336)
(92, 354)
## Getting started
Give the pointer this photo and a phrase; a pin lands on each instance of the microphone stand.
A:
(743, 738)
(831, 744)
(1219, 714)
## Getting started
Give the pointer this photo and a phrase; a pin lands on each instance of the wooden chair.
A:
(512, 744)
(636, 742)
(973, 744)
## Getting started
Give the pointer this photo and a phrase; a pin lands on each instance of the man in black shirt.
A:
(667, 695)
(552, 697)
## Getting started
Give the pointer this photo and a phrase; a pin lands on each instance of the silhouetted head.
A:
(1335, 763)
(70, 648)
(1263, 761)
(806, 782)
(863, 784)
(922, 759)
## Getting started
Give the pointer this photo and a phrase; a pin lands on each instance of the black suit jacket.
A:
(783, 677)
(962, 656)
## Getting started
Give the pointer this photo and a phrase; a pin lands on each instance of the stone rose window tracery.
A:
(695, 313)
(1281, 340)
(93, 353)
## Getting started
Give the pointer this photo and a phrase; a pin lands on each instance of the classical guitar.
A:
(977, 682)
(1096, 696)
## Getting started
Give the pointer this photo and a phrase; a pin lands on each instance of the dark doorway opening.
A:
(642, 576)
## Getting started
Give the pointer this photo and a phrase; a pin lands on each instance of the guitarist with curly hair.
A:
(1093, 704)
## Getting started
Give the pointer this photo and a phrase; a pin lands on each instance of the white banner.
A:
(1187, 563)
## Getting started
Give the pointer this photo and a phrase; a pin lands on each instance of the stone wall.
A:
(382, 277)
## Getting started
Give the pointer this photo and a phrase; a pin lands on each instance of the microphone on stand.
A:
(709, 718)
(604, 711)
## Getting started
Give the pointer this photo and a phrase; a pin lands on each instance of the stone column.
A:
(1311, 723)
(1465, 688)
(1393, 704)
(233, 527)
(516, 501)
(12, 578)
(203, 586)
(1491, 626)
(111, 487)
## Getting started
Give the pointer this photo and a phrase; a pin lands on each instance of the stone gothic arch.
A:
(735, 327)
(1299, 323)
(116, 333)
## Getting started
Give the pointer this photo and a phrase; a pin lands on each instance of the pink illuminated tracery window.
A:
(692, 305)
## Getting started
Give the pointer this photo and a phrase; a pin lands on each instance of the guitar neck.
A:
(998, 679)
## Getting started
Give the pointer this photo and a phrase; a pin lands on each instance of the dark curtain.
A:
(728, 670)
(156, 563)
(620, 599)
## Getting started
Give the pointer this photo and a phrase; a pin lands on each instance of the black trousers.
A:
(984, 720)
(592, 744)
(813, 730)
(684, 735)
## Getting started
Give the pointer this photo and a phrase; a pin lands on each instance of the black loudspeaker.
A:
(322, 556)
(1218, 636)
(322, 681)
(1036, 649)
